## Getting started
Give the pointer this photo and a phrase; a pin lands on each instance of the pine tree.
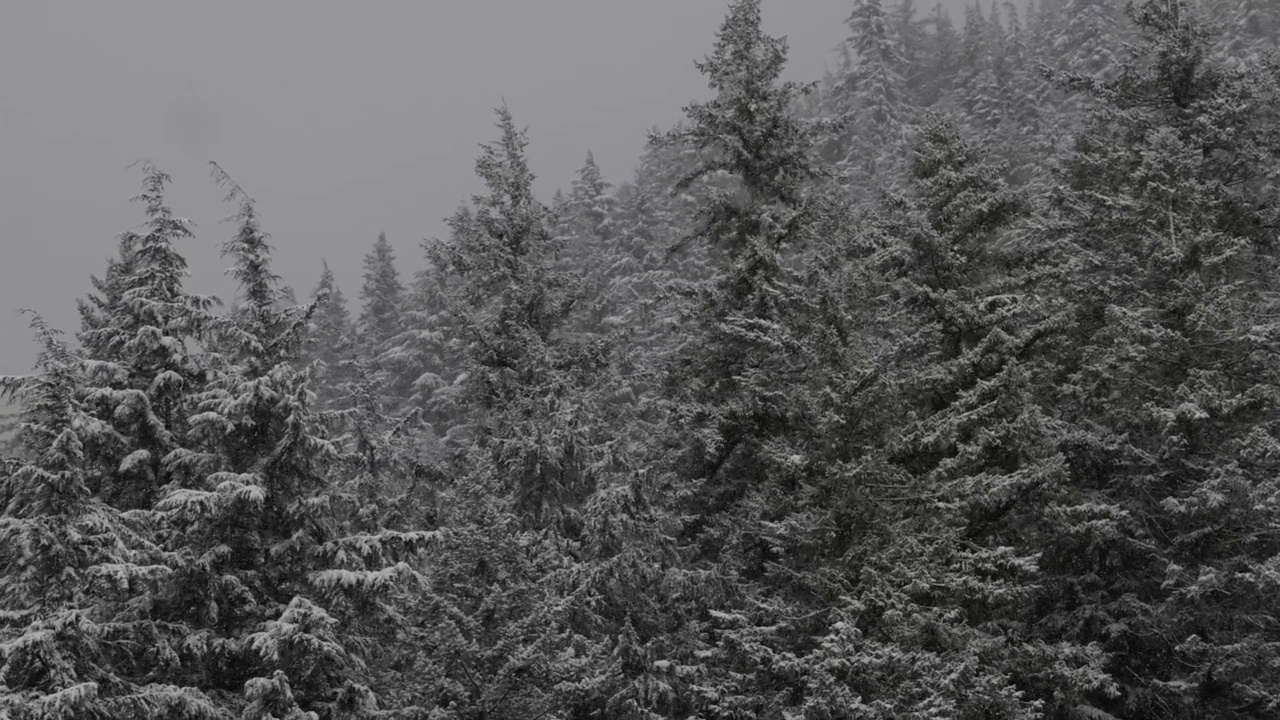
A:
(74, 571)
(382, 297)
(498, 611)
(331, 340)
(99, 310)
(914, 41)
(490, 631)
(656, 216)
(512, 306)
(276, 581)
(425, 359)
(594, 250)
(978, 94)
(747, 133)
(875, 88)
(751, 372)
(589, 201)
(1027, 132)
(1089, 36)
(966, 479)
(942, 60)
(1166, 216)
(261, 315)
(144, 335)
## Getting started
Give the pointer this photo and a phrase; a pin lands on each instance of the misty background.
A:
(343, 119)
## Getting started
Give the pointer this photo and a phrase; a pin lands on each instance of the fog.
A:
(343, 119)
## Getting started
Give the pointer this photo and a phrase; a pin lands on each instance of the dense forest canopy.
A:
(945, 386)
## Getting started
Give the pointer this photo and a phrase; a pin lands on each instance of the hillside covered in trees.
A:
(945, 387)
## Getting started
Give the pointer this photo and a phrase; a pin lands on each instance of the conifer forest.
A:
(946, 386)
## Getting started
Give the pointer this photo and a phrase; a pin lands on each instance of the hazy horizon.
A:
(342, 119)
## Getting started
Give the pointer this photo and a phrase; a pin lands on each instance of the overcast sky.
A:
(341, 118)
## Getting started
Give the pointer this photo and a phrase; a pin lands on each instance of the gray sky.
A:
(342, 118)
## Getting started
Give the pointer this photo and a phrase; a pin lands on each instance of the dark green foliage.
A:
(331, 339)
(143, 335)
(381, 295)
(743, 348)
(1167, 220)
(873, 92)
(511, 305)
(72, 640)
(277, 575)
(943, 388)
(965, 318)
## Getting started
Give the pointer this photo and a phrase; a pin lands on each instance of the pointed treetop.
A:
(327, 293)
(749, 130)
(249, 248)
(160, 267)
(326, 277)
(506, 221)
(744, 58)
(153, 184)
(503, 167)
(590, 183)
(381, 293)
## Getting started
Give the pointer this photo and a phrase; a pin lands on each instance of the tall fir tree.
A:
(275, 585)
(966, 480)
(749, 373)
(1167, 219)
(875, 96)
(594, 249)
(942, 60)
(382, 297)
(500, 620)
(331, 340)
(512, 304)
(145, 335)
(75, 640)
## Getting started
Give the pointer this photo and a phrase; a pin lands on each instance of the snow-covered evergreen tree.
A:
(76, 574)
(942, 59)
(382, 297)
(750, 372)
(512, 306)
(99, 310)
(1166, 214)
(876, 99)
(966, 478)
(605, 260)
(144, 334)
(747, 134)
(331, 339)
(1089, 41)
(272, 574)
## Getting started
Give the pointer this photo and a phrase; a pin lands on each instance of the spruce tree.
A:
(1091, 32)
(529, 435)
(875, 88)
(742, 318)
(382, 297)
(966, 480)
(594, 249)
(76, 574)
(99, 310)
(274, 577)
(331, 340)
(424, 361)
(749, 374)
(1166, 217)
(512, 306)
(144, 336)
(942, 60)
